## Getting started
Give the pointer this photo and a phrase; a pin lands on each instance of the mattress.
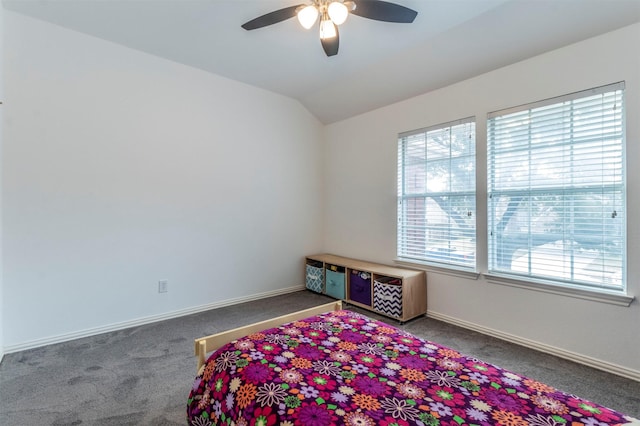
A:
(345, 368)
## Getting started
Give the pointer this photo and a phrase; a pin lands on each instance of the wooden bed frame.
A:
(207, 344)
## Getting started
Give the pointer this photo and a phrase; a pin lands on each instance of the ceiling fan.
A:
(333, 13)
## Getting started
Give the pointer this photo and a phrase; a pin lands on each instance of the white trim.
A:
(453, 123)
(542, 347)
(559, 99)
(438, 269)
(145, 320)
(580, 293)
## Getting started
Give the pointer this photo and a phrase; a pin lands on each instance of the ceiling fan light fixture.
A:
(331, 14)
(338, 12)
(307, 16)
(327, 28)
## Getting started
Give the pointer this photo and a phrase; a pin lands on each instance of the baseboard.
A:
(145, 320)
(542, 347)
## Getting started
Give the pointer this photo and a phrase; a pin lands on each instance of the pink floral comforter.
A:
(344, 368)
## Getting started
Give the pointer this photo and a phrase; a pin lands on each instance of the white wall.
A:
(1, 115)
(121, 169)
(360, 215)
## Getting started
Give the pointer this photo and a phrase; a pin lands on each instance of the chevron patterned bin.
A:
(315, 278)
(387, 296)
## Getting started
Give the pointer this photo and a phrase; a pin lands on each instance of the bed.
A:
(329, 366)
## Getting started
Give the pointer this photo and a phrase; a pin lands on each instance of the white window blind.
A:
(436, 194)
(556, 183)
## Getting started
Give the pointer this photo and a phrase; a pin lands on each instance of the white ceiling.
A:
(379, 63)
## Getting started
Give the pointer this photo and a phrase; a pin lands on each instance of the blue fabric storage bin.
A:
(315, 277)
(335, 284)
(360, 287)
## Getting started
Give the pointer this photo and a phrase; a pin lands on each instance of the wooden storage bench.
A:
(397, 293)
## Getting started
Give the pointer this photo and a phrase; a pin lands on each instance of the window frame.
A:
(545, 283)
(444, 264)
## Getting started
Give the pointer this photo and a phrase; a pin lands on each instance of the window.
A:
(437, 194)
(556, 190)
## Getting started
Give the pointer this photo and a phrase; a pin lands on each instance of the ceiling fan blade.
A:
(271, 18)
(330, 45)
(384, 11)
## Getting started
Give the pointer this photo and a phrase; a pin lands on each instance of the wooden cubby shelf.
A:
(397, 293)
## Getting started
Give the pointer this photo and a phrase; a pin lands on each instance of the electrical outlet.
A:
(163, 286)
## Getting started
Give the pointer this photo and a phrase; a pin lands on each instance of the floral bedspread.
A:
(344, 368)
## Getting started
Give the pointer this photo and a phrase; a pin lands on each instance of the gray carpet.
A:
(143, 375)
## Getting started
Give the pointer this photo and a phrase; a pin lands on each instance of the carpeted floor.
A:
(143, 375)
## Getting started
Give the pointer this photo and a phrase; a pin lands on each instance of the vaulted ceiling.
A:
(379, 63)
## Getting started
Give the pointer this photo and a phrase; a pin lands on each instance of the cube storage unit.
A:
(398, 293)
(314, 275)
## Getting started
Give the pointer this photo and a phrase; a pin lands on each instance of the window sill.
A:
(602, 296)
(430, 267)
